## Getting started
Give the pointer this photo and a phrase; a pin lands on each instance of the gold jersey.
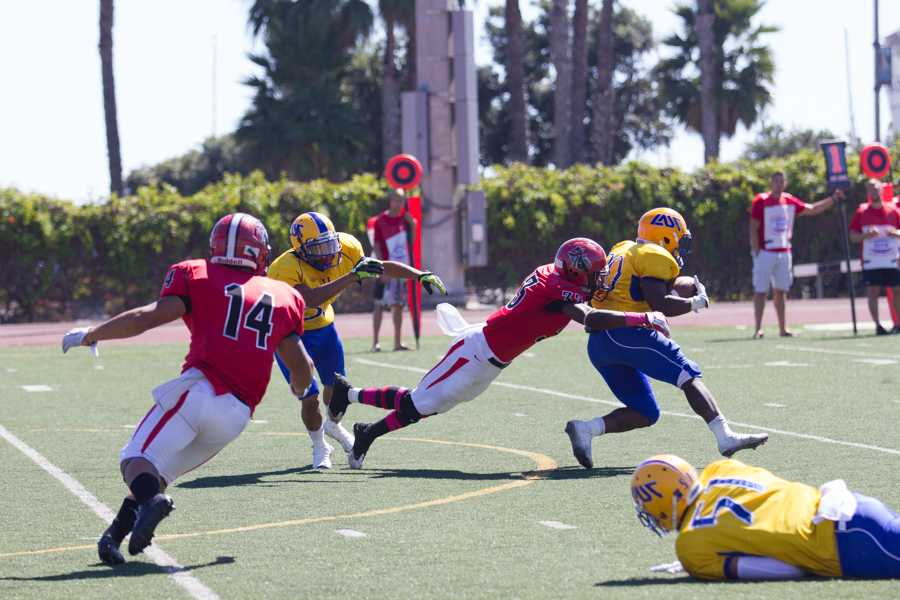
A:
(748, 511)
(294, 271)
(628, 262)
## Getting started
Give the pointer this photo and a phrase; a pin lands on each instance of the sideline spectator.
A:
(771, 227)
(877, 226)
(391, 243)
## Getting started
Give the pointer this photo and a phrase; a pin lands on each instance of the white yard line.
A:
(838, 352)
(557, 525)
(350, 533)
(528, 388)
(177, 572)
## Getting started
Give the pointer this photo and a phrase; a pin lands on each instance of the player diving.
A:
(547, 300)
(735, 521)
(639, 278)
(320, 265)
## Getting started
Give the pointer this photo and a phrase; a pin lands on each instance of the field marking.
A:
(774, 405)
(40, 387)
(350, 533)
(878, 362)
(543, 464)
(839, 352)
(670, 413)
(177, 572)
(784, 363)
(557, 525)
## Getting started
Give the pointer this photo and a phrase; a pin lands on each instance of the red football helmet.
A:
(240, 240)
(582, 262)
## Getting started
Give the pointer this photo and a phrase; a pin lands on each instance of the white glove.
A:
(74, 337)
(701, 300)
(658, 322)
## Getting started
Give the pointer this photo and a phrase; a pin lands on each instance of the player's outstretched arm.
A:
(656, 293)
(597, 319)
(135, 321)
(293, 354)
(363, 269)
(429, 280)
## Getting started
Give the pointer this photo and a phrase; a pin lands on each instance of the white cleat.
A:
(581, 438)
(322, 456)
(742, 441)
(339, 433)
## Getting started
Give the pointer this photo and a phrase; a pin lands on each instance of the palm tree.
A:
(579, 79)
(515, 74)
(561, 57)
(390, 87)
(742, 72)
(602, 130)
(109, 98)
(709, 107)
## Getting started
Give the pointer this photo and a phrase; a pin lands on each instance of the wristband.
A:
(635, 319)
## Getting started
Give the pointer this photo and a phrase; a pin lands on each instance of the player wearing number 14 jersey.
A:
(237, 319)
(547, 300)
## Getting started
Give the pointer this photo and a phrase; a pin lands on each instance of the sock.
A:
(317, 435)
(353, 394)
(144, 487)
(392, 422)
(719, 427)
(387, 398)
(124, 521)
(597, 426)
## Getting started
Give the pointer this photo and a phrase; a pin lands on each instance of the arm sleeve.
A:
(657, 264)
(297, 310)
(799, 204)
(351, 248)
(763, 567)
(176, 281)
(756, 209)
(286, 269)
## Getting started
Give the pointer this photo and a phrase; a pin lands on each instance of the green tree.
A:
(741, 76)
(774, 141)
(302, 121)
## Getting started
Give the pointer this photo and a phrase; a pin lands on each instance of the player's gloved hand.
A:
(430, 281)
(658, 321)
(368, 267)
(75, 337)
(700, 300)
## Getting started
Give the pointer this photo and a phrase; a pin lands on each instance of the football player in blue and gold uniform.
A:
(735, 521)
(640, 276)
(320, 265)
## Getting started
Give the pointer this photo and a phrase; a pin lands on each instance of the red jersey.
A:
(532, 315)
(236, 320)
(390, 237)
(776, 220)
(877, 252)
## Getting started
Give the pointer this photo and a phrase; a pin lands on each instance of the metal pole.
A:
(877, 46)
(850, 286)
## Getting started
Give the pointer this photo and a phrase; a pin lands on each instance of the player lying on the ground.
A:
(639, 278)
(735, 521)
(237, 319)
(321, 264)
(542, 307)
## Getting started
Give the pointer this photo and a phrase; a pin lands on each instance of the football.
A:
(684, 287)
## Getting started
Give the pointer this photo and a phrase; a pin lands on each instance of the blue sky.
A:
(51, 111)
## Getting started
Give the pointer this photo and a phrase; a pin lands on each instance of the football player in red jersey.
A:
(547, 300)
(237, 319)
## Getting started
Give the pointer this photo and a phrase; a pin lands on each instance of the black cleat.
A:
(108, 550)
(362, 441)
(580, 438)
(150, 514)
(337, 406)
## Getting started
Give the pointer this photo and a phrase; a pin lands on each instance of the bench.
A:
(816, 270)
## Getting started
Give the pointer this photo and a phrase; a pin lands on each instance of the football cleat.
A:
(108, 550)
(360, 445)
(580, 437)
(321, 456)
(150, 513)
(742, 441)
(338, 433)
(337, 406)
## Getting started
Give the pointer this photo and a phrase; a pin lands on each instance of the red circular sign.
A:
(875, 161)
(403, 172)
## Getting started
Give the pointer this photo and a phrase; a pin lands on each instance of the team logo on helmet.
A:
(578, 258)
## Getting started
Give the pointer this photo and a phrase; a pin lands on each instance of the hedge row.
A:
(62, 260)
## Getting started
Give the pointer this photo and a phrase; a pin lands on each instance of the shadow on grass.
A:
(219, 481)
(129, 569)
(572, 472)
(687, 580)
(561, 473)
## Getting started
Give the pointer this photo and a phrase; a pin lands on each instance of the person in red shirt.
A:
(877, 226)
(771, 228)
(391, 243)
(237, 318)
(547, 300)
